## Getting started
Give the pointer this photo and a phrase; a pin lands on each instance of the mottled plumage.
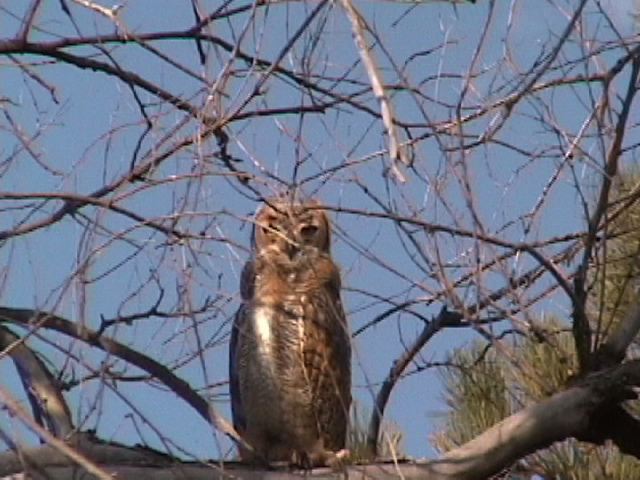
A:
(290, 356)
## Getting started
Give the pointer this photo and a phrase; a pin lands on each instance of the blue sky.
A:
(88, 136)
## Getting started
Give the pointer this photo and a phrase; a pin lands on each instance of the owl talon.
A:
(326, 458)
(337, 460)
(301, 460)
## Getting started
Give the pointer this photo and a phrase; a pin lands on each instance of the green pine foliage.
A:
(484, 386)
(616, 274)
(475, 394)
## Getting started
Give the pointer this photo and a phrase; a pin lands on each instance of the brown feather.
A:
(292, 355)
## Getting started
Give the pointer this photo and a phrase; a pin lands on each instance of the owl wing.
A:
(247, 286)
(237, 410)
(327, 364)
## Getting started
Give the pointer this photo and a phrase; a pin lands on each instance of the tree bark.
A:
(574, 412)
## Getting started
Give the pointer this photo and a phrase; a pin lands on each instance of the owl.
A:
(290, 353)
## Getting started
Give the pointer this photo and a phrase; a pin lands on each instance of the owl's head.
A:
(283, 227)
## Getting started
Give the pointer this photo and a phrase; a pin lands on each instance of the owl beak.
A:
(292, 250)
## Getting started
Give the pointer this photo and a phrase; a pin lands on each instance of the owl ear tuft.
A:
(278, 206)
(260, 219)
(325, 222)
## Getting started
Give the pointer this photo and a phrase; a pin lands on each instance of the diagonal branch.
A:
(570, 413)
(581, 328)
(57, 444)
(33, 319)
(443, 319)
(614, 349)
(358, 24)
(48, 405)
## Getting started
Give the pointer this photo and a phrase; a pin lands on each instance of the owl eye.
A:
(308, 231)
(269, 228)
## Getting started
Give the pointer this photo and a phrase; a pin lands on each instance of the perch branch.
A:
(574, 412)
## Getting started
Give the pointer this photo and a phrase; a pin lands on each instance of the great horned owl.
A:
(290, 353)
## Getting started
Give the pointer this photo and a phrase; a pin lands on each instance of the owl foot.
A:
(337, 460)
(301, 460)
(324, 458)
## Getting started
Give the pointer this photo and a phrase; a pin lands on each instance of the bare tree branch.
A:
(32, 319)
(48, 405)
(59, 445)
(581, 327)
(570, 413)
(443, 319)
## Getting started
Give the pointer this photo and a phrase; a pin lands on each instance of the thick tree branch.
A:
(48, 405)
(614, 349)
(613, 422)
(575, 412)
(569, 413)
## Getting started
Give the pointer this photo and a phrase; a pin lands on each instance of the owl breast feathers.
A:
(290, 354)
